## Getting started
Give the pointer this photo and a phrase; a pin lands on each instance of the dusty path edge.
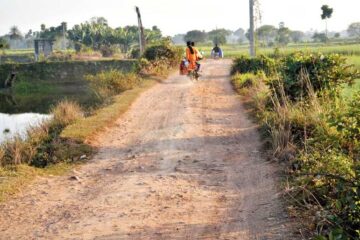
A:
(16, 179)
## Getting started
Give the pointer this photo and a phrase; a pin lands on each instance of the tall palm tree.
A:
(326, 14)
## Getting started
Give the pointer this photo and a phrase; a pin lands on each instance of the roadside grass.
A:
(86, 128)
(50, 154)
(57, 146)
(67, 146)
(14, 178)
(313, 133)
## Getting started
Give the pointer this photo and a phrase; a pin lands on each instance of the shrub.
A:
(325, 73)
(165, 52)
(347, 123)
(59, 56)
(246, 64)
(112, 82)
(66, 112)
(318, 135)
(135, 52)
(108, 51)
(247, 80)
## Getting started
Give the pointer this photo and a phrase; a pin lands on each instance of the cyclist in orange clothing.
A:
(198, 56)
(191, 56)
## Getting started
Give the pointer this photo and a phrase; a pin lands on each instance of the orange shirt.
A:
(191, 57)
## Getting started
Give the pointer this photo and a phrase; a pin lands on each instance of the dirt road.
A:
(183, 163)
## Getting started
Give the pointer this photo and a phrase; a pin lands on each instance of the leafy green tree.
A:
(240, 34)
(153, 35)
(297, 36)
(130, 37)
(218, 36)
(319, 37)
(195, 36)
(266, 34)
(98, 35)
(354, 30)
(326, 14)
(283, 36)
(94, 34)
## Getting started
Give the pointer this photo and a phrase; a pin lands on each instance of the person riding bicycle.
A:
(216, 52)
(198, 56)
(191, 56)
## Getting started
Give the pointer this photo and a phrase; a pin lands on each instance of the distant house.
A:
(43, 46)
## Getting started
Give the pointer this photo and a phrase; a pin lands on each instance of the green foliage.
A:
(247, 80)
(347, 123)
(160, 58)
(99, 36)
(266, 34)
(317, 134)
(320, 37)
(112, 82)
(354, 29)
(326, 12)
(246, 64)
(26, 88)
(326, 73)
(283, 36)
(195, 36)
(218, 36)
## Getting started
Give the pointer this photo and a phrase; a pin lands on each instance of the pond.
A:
(17, 124)
(24, 106)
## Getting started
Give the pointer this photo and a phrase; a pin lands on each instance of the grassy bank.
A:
(313, 132)
(62, 143)
(86, 128)
(57, 147)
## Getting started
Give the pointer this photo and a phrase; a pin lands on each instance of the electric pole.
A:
(141, 32)
(251, 31)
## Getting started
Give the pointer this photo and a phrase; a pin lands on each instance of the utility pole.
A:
(142, 42)
(252, 29)
(64, 38)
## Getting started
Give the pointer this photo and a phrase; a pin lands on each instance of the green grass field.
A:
(231, 51)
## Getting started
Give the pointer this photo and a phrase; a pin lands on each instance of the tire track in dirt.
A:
(183, 163)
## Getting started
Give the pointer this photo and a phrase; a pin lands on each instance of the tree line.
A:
(95, 34)
(266, 35)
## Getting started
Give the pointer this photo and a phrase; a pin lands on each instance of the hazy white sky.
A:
(176, 16)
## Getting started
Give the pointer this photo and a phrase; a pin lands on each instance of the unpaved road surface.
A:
(184, 162)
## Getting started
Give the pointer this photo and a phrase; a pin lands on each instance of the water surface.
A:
(17, 124)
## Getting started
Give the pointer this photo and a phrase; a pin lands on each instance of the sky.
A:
(177, 16)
